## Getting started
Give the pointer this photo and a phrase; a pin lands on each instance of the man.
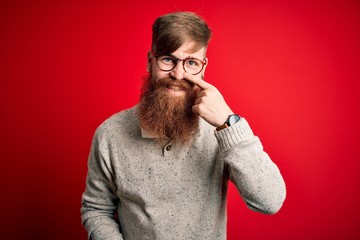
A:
(160, 170)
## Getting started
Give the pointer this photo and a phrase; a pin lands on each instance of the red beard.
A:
(165, 116)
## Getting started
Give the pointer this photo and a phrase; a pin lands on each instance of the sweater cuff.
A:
(233, 135)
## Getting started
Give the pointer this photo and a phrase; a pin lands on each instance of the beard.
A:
(166, 116)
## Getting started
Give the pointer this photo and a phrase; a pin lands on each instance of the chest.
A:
(164, 173)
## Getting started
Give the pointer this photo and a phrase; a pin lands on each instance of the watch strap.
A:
(221, 127)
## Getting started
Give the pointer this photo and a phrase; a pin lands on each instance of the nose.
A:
(178, 72)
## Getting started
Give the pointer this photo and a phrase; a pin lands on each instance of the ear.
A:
(207, 62)
(149, 56)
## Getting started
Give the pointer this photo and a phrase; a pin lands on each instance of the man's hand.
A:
(209, 103)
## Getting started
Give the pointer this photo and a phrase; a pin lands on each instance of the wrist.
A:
(224, 117)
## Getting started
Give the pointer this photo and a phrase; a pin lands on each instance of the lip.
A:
(176, 90)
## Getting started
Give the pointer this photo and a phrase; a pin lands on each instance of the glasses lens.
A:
(193, 65)
(166, 63)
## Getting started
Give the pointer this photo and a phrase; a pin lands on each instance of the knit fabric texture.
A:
(137, 188)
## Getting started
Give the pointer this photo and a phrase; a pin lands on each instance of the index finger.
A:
(197, 81)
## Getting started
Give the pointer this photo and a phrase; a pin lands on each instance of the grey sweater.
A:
(138, 189)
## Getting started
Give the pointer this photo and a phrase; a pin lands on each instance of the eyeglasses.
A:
(190, 64)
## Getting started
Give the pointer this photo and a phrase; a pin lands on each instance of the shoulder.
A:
(119, 124)
(207, 133)
(206, 128)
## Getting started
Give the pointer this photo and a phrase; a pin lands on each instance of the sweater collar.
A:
(146, 134)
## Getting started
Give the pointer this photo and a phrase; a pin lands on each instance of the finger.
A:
(201, 94)
(196, 109)
(198, 101)
(197, 81)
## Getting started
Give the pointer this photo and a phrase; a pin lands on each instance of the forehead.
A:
(190, 48)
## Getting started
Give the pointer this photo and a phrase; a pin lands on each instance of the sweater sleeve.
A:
(256, 177)
(99, 200)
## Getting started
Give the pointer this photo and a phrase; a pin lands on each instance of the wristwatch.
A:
(231, 120)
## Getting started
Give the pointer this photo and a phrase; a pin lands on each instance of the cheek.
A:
(157, 74)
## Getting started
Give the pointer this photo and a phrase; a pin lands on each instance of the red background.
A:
(292, 69)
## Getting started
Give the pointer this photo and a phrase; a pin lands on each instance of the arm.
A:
(256, 177)
(99, 200)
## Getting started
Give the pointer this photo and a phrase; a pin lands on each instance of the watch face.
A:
(233, 119)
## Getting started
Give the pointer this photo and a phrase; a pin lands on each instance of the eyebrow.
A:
(189, 57)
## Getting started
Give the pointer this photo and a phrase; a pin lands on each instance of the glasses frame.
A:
(203, 62)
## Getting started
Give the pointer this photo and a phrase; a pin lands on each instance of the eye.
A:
(168, 60)
(193, 63)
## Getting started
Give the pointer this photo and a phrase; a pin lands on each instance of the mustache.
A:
(167, 82)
